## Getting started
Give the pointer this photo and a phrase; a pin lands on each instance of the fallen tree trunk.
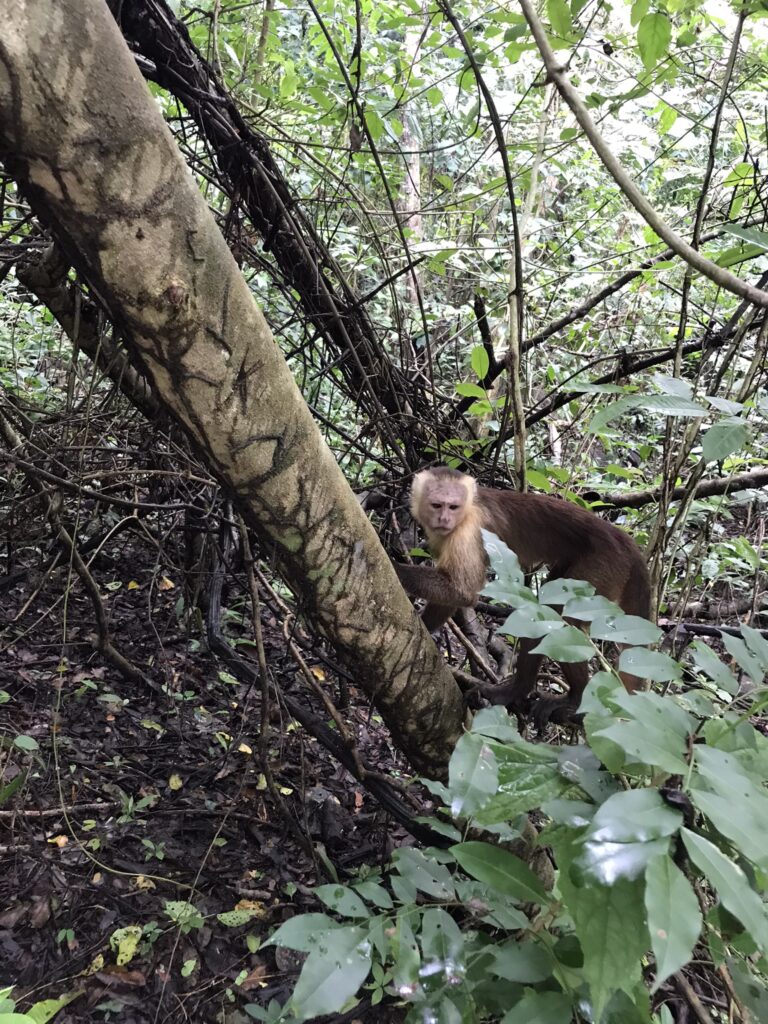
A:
(87, 143)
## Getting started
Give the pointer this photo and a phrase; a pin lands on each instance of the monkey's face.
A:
(443, 506)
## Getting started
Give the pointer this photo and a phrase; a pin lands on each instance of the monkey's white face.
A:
(443, 506)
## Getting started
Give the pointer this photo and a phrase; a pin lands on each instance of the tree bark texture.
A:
(81, 134)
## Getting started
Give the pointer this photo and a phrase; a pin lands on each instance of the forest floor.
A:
(134, 800)
(133, 814)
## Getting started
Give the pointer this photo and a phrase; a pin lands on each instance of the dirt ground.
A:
(134, 799)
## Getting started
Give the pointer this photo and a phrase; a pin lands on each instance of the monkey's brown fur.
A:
(541, 530)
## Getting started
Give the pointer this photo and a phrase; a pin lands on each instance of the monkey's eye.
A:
(453, 508)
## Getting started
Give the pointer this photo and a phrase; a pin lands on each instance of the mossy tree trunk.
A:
(81, 134)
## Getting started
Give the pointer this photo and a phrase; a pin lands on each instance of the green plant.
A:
(657, 826)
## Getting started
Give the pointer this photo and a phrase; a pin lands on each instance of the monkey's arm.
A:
(434, 586)
(437, 588)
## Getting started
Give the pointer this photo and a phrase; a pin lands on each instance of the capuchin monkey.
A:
(541, 530)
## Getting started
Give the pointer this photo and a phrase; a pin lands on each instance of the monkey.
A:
(542, 531)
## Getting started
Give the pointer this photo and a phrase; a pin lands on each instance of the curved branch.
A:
(722, 278)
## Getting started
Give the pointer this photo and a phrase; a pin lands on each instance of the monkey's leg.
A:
(514, 693)
(561, 710)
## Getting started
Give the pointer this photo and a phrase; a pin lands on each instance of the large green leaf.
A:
(524, 962)
(655, 731)
(610, 924)
(737, 807)
(724, 438)
(653, 665)
(531, 620)
(343, 900)
(423, 873)
(666, 405)
(653, 35)
(674, 918)
(567, 644)
(473, 774)
(744, 657)
(731, 884)
(303, 932)
(634, 815)
(441, 937)
(708, 662)
(624, 629)
(479, 362)
(559, 17)
(332, 975)
(540, 1008)
(754, 235)
(500, 869)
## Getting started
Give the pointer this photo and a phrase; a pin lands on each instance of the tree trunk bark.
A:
(88, 145)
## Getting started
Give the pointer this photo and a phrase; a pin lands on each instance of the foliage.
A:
(656, 825)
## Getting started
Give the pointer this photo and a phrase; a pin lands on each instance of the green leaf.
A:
(639, 10)
(734, 804)
(587, 609)
(424, 873)
(374, 124)
(473, 774)
(656, 732)
(540, 1008)
(628, 830)
(374, 893)
(470, 390)
(732, 887)
(26, 743)
(665, 405)
(496, 723)
(610, 925)
(559, 17)
(653, 35)
(757, 644)
(723, 439)
(532, 620)
(479, 362)
(524, 962)
(738, 254)
(653, 665)
(441, 937)
(331, 977)
(405, 951)
(567, 644)
(47, 1009)
(7, 791)
(705, 659)
(750, 988)
(303, 932)
(342, 900)
(674, 918)
(558, 592)
(500, 869)
(634, 815)
(237, 918)
(744, 657)
(624, 629)
(667, 119)
(754, 235)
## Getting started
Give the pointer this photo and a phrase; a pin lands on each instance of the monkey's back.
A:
(572, 541)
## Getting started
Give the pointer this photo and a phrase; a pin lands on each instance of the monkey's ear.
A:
(470, 485)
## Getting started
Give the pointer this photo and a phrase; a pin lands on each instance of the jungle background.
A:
(451, 274)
